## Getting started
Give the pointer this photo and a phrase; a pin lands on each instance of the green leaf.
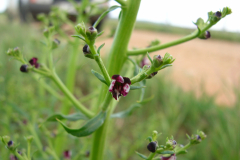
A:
(71, 117)
(165, 152)
(146, 100)
(149, 139)
(150, 59)
(99, 48)
(182, 152)
(80, 37)
(99, 76)
(141, 155)
(165, 66)
(100, 33)
(91, 126)
(127, 112)
(104, 14)
(136, 87)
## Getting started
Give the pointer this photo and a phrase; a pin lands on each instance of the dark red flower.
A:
(67, 154)
(33, 62)
(172, 157)
(119, 86)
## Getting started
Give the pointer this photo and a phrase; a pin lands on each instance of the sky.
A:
(181, 13)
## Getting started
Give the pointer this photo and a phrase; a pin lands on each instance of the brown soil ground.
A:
(201, 65)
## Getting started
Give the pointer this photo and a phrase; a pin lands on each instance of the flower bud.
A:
(171, 157)
(81, 29)
(202, 135)
(10, 143)
(87, 52)
(55, 43)
(46, 33)
(171, 143)
(152, 75)
(168, 59)
(67, 154)
(218, 14)
(24, 68)
(92, 33)
(152, 147)
(144, 62)
(5, 139)
(207, 35)
(157, 61)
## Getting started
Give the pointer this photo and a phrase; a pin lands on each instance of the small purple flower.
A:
(33, 62)
(207, 34)
(119, 86)
(12, 157)
(24, 68)
(67, 154)
(172, 157)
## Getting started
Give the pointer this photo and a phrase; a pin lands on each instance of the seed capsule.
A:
(152, 147)
(24, 68)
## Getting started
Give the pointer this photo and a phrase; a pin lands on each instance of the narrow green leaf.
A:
(104, 14)
(141, 155)
(182, 152)
(165, 66)
(146, 100)
(71, 117)
(99, 48)
(99, 76)
(91, 126)
(80, 37)
(150, 59)
(136, 87)
(100, 33)
(166, 152)
(149, 139)
(127, 112)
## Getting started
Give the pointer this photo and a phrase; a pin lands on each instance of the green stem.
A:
(18, 155)
(116, 60)
(195, 34)
(29, 150)
(151, 156)
(100, 63)
(68, 94)
(162, 46)
(183, 148)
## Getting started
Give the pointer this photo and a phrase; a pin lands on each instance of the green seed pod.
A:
(81, 29)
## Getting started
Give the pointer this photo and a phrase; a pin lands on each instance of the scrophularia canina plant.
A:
(114, 85)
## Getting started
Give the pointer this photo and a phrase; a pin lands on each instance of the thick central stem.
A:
(117, 57)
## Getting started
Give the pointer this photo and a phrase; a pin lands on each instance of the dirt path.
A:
(212, 65)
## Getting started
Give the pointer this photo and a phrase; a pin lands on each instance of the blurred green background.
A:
(171, 112)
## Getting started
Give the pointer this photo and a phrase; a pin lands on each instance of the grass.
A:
(141, 25)
(172, 111)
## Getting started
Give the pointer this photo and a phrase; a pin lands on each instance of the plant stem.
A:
(100, 63)
(67, 93)
(151, 156)
(195, 34)
(183, 148)
(116, 60)
(121, 2)
(163, 46)
(29, 151)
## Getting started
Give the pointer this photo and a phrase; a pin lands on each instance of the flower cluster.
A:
(34, 62)
(119, 86)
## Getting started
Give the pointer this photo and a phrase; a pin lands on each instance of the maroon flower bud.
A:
(24, 68)
(67, 154)
(152, 75)
(87, 52)
(34, 63)
(172, 157)
(207, 34)
(10, 143)
(87, 154)
(144, 62)
(92, 29)
(218, 14)
(119, 86)
(152, 147)
(12, 157)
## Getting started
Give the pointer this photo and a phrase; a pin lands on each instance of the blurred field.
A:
(173, 111)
